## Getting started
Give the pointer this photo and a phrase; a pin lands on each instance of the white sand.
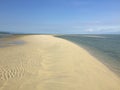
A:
(49, 63)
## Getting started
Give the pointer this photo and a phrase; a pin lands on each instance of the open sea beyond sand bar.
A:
(60, 62)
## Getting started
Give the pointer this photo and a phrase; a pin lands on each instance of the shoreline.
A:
(108, 61)
(45, 62)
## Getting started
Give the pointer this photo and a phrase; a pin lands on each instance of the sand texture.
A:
(49, 63)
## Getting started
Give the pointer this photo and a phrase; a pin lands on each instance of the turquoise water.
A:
(104, 47)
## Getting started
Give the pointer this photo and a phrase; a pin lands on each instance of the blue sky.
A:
(60, 16)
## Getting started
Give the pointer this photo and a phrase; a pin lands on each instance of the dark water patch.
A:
(7, 40)
(11, 43)
(20, 42)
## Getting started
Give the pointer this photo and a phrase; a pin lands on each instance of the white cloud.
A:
(103, 29)
(89, 30)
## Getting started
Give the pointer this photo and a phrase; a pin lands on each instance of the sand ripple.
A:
(8, 73)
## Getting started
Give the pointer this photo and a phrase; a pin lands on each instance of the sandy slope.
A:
(49, 63)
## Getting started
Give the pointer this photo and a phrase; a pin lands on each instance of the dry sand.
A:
(49, 63)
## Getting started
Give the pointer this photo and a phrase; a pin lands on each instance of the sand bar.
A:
(49, 63)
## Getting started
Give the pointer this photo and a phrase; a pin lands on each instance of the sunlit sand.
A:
(45, 62)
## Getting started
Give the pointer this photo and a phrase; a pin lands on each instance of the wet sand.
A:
(45, 62)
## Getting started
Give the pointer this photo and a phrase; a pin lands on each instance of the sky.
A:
(60, 16)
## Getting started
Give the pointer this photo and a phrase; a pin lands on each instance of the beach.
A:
(45, 62)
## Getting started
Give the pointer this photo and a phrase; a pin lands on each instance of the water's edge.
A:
(112, 63)
(92, 43)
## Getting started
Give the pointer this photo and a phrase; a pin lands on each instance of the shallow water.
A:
(6, 43)
(104, 47)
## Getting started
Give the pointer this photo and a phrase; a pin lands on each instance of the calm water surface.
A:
(7, 42)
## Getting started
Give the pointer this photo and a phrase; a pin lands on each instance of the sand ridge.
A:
(49, 63)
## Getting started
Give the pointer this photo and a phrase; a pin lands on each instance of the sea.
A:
(105, 48)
